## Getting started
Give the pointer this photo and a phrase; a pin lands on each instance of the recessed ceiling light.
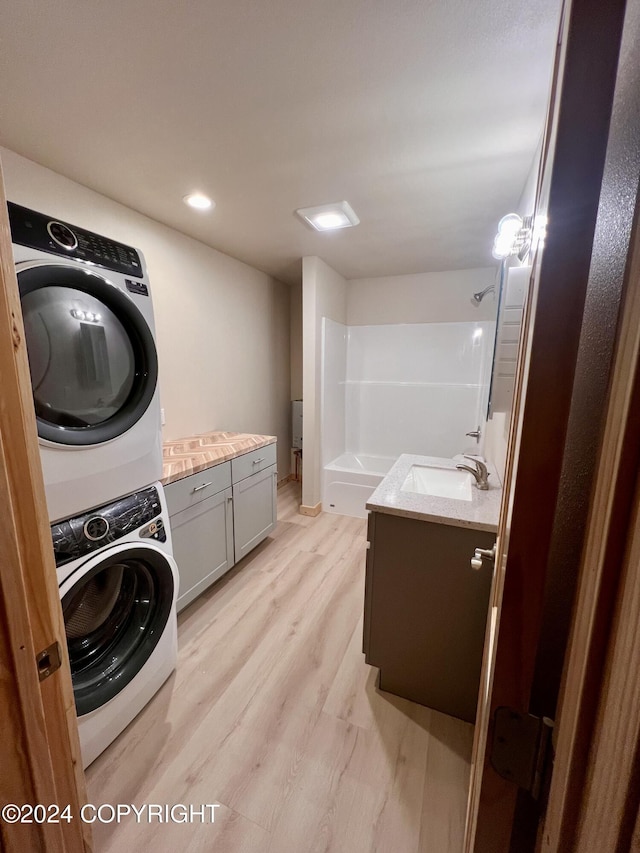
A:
(199, 201)
(329, 217)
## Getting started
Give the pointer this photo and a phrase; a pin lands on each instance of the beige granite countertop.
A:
(480, 513)
(195, 453)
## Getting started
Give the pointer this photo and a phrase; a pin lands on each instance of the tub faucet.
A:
(480, 472)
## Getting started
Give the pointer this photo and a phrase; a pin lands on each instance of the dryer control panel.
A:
(83, 534)
(37, 231)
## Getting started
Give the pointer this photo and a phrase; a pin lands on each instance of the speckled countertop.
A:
(480, 513)
(186, 456)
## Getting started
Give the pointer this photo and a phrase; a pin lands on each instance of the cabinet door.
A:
(202, 538)
(254, 510)
(428, 612)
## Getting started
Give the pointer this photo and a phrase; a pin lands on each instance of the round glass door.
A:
(114, 617)
(92, 357)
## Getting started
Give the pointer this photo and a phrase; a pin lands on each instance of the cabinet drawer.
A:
(196, 487)
(253, 462)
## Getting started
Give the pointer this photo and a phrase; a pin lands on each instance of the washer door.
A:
(115, 609)
(92, 356)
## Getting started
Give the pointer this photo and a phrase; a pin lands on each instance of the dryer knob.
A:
(96, 528)
(62, 235)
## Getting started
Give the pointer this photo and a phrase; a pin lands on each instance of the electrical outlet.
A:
(162, 417)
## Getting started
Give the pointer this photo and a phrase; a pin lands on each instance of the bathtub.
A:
(349, 480)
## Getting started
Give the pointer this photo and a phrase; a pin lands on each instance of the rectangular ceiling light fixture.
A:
(329, 217)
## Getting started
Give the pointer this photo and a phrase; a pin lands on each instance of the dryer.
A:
(88, 318)
(118, 584)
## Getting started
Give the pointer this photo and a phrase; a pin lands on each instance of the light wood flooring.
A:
(274, 714)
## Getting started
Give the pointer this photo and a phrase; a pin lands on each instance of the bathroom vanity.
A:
(425, 609)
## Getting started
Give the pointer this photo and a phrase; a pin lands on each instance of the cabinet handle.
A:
(483, 554)
(258, 461)
(200, 488)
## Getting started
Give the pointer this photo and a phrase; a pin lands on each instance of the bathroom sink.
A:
(439, 482)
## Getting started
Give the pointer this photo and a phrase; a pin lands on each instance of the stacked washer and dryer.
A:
(88, 319)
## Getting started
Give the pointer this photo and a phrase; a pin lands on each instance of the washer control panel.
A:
(37, 231)
(83, 534)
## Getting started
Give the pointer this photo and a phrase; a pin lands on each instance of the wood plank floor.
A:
(273, 714)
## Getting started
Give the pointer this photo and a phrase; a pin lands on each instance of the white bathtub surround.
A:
(350, 479)
(398, 388)
(417, 388)
(332, 384)
(480, 513)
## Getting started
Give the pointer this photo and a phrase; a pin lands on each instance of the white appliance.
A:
(118, 584)
(88, 317)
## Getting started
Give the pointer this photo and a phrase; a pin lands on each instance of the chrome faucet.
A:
(480, 472)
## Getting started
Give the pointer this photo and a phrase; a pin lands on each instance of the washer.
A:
(88, 318)
(118, 584)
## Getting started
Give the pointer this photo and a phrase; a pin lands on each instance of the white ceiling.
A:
(424, 115)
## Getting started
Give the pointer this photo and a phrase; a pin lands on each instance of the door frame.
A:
(39, 747)
(594, 801)
(574, 155)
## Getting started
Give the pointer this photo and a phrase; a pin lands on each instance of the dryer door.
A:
(92, 356)
(116, 607)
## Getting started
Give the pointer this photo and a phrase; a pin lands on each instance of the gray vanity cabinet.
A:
(254, 477)
(426, 611)
(201, 519)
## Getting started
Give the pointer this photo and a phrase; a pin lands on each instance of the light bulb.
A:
(510, 224)
(198, 201)
(326, 221)
(502, 246)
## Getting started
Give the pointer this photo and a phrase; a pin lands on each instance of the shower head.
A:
(477, 298)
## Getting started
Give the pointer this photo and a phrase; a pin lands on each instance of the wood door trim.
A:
(26, 765)
(44, 711)
(610, 531)
(581, 130)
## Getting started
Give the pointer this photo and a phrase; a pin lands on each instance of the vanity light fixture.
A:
(513, 237)
(329, 217)
(199, 201)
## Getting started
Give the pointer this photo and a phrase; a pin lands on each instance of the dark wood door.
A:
(502, 817)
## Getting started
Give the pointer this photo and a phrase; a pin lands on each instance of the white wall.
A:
(333, 401)
(296, 341)
(324, 294)
(433, 297)
(222, 326)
